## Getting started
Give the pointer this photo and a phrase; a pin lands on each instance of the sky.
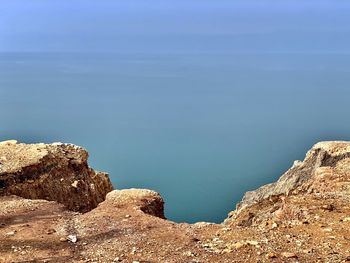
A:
(174, 26)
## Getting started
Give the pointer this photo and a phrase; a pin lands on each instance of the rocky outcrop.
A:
(144, 200)
(55, 172)
(303, 217)
(323, 154)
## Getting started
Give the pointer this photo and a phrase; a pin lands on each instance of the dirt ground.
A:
(42, 231)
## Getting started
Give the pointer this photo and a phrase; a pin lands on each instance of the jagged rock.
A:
(323, 154)
(56, 172)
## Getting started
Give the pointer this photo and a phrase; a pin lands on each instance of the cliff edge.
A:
(54, 208)
(324, 165)
(55, 172)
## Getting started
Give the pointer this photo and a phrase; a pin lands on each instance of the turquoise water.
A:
(200, 128)
(198, 100)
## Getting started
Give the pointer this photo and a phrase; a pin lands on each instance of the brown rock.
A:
(322, 154)
(271, 255)
(43, 171)
(147, 201)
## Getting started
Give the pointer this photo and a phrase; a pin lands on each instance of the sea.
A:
(199, 128)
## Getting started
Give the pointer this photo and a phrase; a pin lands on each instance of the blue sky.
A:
(175, 26)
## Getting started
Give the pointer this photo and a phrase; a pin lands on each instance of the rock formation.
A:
(324, 156)
(56, 172)
(303, 217)
(147, 201)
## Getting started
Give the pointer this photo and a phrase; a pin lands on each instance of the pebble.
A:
(11, 233)
(72, 238)
(328, 229)
(75, 184)
(289, 255)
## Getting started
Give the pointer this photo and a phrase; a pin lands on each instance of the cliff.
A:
(55, 172)
(322, 162)
(55, 209)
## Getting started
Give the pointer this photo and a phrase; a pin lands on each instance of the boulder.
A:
(55, 172)
(147, 201)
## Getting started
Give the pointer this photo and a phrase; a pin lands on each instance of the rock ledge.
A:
(55, 172)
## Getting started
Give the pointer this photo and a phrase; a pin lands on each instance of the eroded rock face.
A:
(323, 157)
(55, 172)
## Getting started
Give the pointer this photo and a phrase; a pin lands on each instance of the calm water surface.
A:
(199, 128)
